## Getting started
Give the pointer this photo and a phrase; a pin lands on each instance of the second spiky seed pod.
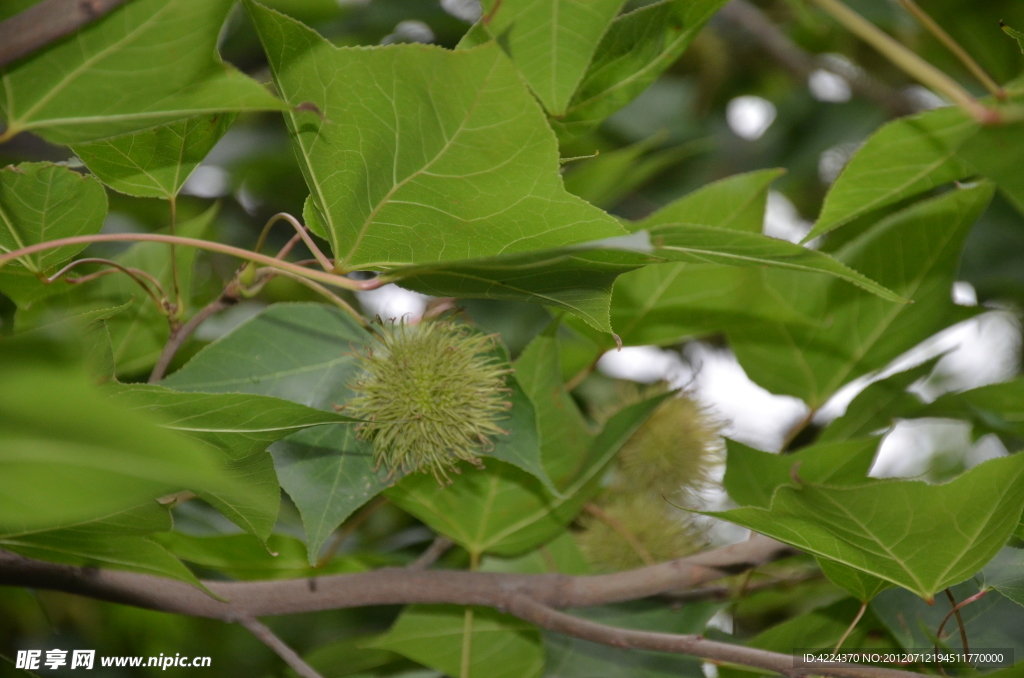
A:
(430, 395)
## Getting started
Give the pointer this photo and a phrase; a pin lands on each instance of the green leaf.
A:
(87, 458)
(405, 124)
(1015, 34)
(663, 303)
(39, 202)
(561, 554)
(137, 335)
(564, 433)
(736, 203)
(637, 48)
(551, 43)
(994, 151)
(875, 408)
(243, 426)
(996, 408)
(914, 252)
(752, 476)
(500, 645)
(859, 584)
(606, 179)
(991, 622)
(817, 629)
(578, 278)
(329, 473)
(921, 537)
(904, 158)
(154, 163)
(1005, 573)
(242, 557)
(304, 353)
(87, 87)
(85, 548)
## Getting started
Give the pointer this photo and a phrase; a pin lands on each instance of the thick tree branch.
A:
(390, 586)
(47, 22)
(800, 63)
(530, 597)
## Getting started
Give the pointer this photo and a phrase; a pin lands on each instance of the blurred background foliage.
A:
(768, 83)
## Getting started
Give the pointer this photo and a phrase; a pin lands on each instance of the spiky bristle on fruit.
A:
(430, 394)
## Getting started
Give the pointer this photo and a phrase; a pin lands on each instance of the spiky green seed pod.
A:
(431, 394)
(633, 529)
(674, 451)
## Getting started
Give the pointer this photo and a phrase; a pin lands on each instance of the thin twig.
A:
(955, 611)
(350, 526)
(47, 22)
(290, 656)
(431, 554)
(953, 46)
(756, 24)
(135, 274)
(853, 625)
(265, 274)
(247, 255)
(301, 231)
(621, 530)
(530, 610)
(179, 335)
(916, 67)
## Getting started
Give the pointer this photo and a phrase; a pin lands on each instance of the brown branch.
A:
(530, 610)
(290, 656)
(800, 63)
(431, 554)
(47, 22)
(180, 334)
(530, 597)
(389, 586)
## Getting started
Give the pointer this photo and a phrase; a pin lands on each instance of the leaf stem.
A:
(853, 625)
(467, 626)
(320, 276)
(158, 296)
(302, 232)
(908, 61)
(953, 46)
(959, 620)
(175, 281)
(316, 287)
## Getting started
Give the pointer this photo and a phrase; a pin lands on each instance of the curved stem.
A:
(302, 232)
(908, 61)
(320, 289)
(321, 276)
(135, 274)
(955, 611)
(953, 46)
(179, 335)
